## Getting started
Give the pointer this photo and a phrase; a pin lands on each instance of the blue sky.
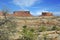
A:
(34, 6)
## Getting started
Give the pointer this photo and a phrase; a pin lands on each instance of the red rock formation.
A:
(22, 13)
(47, 14)
(1, 14)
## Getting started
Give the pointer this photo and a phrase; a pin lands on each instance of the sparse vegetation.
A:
(28, 34)
(9, 28)
(42, 28)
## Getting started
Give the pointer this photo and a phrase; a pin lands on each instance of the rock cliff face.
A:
(47, 14)
(22, 13)
(26, 14)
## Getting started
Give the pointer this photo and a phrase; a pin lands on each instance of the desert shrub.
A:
(42, 28)
(28, 34)
(54, 28)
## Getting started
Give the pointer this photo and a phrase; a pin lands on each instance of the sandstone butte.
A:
(47, 14)
(26, 14)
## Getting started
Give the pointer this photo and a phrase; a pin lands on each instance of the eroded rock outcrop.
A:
(47, 14)
(22, 13)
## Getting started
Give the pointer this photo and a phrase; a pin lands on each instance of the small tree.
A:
(7, 27)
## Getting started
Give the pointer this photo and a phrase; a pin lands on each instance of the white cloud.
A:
(37, 13)
(24, 3)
